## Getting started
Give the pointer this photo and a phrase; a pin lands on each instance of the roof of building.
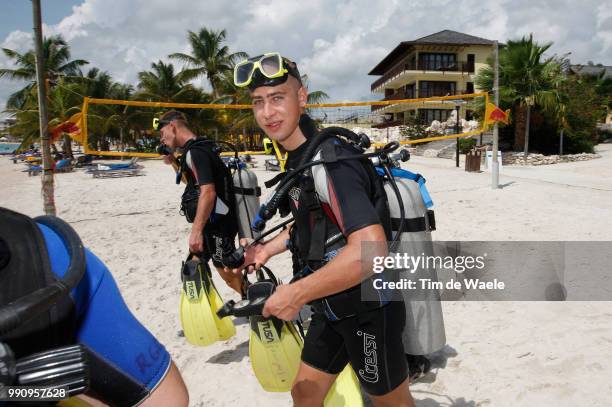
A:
(445, 37)
(592, 70)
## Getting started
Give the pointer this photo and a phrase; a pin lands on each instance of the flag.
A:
(72, 127)
(495, 114)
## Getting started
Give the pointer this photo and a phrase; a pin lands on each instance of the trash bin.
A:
(472, 160)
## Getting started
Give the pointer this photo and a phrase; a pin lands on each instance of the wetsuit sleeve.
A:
(201, 166)
(344, 187)
(127, 362)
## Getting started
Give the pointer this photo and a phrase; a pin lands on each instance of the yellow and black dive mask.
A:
(269, 69)
(159, 123)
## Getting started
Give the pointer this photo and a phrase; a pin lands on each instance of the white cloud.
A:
(335, 42)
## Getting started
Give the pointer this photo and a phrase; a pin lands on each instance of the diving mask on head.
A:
(159, 123)
(269, 69)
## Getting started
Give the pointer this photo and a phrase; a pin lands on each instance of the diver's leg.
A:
(373, 340)
(311, 386)
(323, 358)
(219, 246)
(231, 279)
(400, 396)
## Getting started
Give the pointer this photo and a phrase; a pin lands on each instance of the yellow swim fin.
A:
(225, 326)
(275, 346)
(197, 313)
(345, 391)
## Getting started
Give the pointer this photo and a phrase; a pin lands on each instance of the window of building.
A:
(436, 88)
(471, 58)
(429, 115)
(437, 61)
(409, 91)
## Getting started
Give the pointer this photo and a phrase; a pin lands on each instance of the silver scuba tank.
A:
(424, 331)
(247, 194)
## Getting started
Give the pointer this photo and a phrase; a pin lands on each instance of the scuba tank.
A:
(424, 331)
(247, 193)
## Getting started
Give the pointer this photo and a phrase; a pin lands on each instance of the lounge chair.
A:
(117, 170)
(272, 164)
(83, 161)
(63, 165)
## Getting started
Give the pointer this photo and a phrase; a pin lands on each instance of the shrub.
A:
(466, 144)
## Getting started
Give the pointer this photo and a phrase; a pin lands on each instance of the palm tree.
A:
(209, 57)
(57, 63)
(526, 79)
(64, 100)
(161, 84)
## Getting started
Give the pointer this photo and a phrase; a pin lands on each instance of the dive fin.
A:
(345, 391)
(275, 346)
(225, 326)
(198, 318)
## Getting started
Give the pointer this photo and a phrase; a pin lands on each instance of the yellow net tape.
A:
(281, 157)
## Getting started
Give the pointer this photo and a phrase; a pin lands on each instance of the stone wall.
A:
(513, 158)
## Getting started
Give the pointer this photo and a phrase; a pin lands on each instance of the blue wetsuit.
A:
(127, 362)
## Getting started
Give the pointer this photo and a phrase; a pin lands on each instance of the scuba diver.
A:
(336, 207)
(64, 323)
(208, 202)
(220, 204)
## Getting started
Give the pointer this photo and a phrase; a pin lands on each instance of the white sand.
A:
(499, 354)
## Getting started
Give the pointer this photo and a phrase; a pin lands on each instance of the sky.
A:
(336, 43)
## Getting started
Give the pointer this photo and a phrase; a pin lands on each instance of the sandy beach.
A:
(498, 353)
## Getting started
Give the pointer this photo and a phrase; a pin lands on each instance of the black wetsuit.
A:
(371, 340)
(204, 166)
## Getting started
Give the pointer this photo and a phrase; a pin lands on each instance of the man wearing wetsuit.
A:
(209, 181)
(128, 366)
(339, 195)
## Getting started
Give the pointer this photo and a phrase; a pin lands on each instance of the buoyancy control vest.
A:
(24, 269)
(322, 234)
(318, 236)
(237, 193)
(312, 245)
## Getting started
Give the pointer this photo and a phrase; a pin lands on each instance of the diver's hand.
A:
(168, 159)
(285, 303)
(196, 241)
(255, 254)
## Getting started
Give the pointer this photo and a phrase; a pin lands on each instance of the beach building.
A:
(440, 64)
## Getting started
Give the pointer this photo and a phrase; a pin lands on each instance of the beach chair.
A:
(83, 161)
(130, 169)
(63, 165)
(272, 164)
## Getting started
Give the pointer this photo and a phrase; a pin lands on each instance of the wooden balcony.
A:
(457, 66)
(427, 93)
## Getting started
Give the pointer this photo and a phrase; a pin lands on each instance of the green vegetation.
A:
(545, 98)
(466, 145)
(123, 126)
